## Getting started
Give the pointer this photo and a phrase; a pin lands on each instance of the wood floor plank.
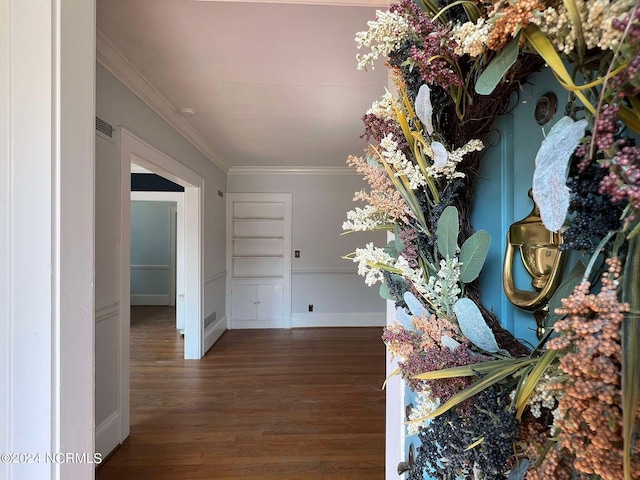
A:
(263, 404)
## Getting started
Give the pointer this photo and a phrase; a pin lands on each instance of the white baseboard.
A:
(139, 299)
(214, 332)
(374, 319)
(108, 434)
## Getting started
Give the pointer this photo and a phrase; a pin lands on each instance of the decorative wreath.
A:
(488, 406)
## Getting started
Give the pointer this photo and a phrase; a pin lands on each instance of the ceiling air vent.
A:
(104, 129)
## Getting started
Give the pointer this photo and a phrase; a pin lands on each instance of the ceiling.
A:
(272, 84)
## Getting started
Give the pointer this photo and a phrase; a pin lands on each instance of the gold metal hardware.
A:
(538, 248)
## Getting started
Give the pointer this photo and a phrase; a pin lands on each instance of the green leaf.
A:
(477, 368)
(415, 306)
(385, 292)
(530, 383)
(490, 78)
(539, 41)
(391, 249)
(473, 325)
(447, 232)
(475, 388)
(473, 253)
(630, 353)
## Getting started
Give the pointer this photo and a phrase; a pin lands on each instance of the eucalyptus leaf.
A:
(404, 318)
(385, 292)
(473, 326)
(391, 249)
(550, 190)
(440, 154)
(447, 232)
(473, 254)
(415, 306)
(449, 342)
(503, 61)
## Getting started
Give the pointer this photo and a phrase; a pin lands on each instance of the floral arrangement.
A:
(487, 406)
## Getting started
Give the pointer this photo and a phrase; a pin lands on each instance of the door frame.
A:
(136, 150)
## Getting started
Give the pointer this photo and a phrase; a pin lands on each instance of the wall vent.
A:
(210, 320)
(104, 129)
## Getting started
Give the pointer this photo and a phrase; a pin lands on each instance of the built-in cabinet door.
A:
(259, 303)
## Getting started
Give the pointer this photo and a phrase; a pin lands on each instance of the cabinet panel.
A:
(259, 267)
(270, 302)
(258, 210)
(244, 300)
(258, 228)
(258, 247)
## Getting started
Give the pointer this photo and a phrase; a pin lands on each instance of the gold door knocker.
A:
(542, 259)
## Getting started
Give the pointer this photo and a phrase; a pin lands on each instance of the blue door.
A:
(500, 199)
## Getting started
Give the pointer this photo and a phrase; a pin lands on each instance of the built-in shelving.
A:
(259, 246)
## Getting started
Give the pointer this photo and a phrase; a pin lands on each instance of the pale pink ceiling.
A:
(273, 84)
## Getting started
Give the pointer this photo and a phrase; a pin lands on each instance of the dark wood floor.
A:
(263, 404)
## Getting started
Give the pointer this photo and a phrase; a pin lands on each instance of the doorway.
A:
(116, 428)
(167, 274)
(134, 150)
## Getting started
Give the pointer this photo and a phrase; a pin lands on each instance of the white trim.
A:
(108, 434)
(144, 299)
(301, 170)
(150, 267)
(324, 271)
(215, 277)
(394, 400)
(121, 68)
(305, 320)
(173, 255)
(107, 312)
(47, 135)
(138, 169)
(177, 197)
(214, 332)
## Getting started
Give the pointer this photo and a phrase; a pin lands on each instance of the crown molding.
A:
(120, 67)
(302, 170)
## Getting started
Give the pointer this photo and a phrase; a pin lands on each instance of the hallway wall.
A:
(118, 106)
(321, 276)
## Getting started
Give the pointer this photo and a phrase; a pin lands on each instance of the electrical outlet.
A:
(296, 254)
(310, 308)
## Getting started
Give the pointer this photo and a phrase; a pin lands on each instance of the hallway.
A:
(264, 404)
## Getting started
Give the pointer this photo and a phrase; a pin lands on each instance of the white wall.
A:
(321, 276)
(120, 107)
